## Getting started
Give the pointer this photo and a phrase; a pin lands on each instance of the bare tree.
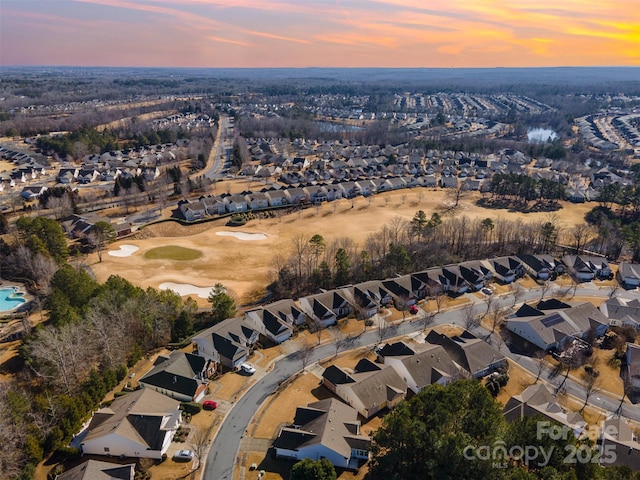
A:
(61, 355)
(340, 339)
(301, 248)
(469, 317)
(315, 326)
(496, 317)
(581, 235)
(517, 292)
(490, 302)
(199, 443)
(626, 390)
(112, 326)
(544, 289)
(613, 289)
(61, 206)
(383, 329)
(101, 234)
(539, 358)
(440, 299)
(305, 352)
(590, 385)
(455, 196)
(427, 320)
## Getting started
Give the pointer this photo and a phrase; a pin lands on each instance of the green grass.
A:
(172, 252)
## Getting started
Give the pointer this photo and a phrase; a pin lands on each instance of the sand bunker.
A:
(183, 289)
(125, 251)
(243, 235)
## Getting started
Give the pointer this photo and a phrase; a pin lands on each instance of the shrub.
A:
(191, 408)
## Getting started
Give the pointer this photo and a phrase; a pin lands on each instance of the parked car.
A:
(413, 309)
(183, 456)
(487, 291)
(209, 405)
(247, 368)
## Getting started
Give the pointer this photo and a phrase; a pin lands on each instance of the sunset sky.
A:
(320, 33)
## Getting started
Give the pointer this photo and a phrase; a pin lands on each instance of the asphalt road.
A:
(222, 456)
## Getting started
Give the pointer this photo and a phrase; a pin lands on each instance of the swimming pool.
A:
(10, 298)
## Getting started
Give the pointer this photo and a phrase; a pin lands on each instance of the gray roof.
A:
(618, 309)
(538, 400)
(554, 327)
(328, 422)
(137, 416)
(375, 385)
(177, 373)
(230, 337)
(96, 470)
(430, 365)
(468, 351)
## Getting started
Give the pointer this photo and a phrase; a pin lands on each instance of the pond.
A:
(10, 299)
(541, 135)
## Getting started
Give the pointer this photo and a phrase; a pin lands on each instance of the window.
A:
(359, 453)
(106, 449)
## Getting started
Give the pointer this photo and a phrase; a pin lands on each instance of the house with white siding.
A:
(325, 429)
(140, 424)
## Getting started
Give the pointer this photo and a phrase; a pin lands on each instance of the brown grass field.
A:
(246, 267)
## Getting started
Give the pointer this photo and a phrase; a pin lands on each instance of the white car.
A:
(247, 368)
(183, 456)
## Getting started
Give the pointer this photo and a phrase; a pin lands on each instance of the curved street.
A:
(222, 456)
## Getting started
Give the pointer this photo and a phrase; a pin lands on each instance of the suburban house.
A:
(629, 274)
(506, 269)
(554, 329)
(96, 470)
(617, 437)
(236, 203)
(455, 280)
(632, 357)
(540, 266)
(435, 281)
(537, 400)
(192, 210)
(33, 192)
(325, 429)
(276, 198)
(257, 201)
(475, 274)
(368, 297)
(622, 312)
(469, 352)
(401, 290)
(273, 327)
(585, 269)
(140, 424)
(228, 343)
(296, 195)
(368, 389)
(181, 375)
(213, 205)
(326, 308)
(420, 365)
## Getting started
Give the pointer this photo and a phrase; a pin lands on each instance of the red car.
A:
(413, 309)
(209, 405)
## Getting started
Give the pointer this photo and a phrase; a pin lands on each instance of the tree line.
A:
(403, 246)
(89, 140)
